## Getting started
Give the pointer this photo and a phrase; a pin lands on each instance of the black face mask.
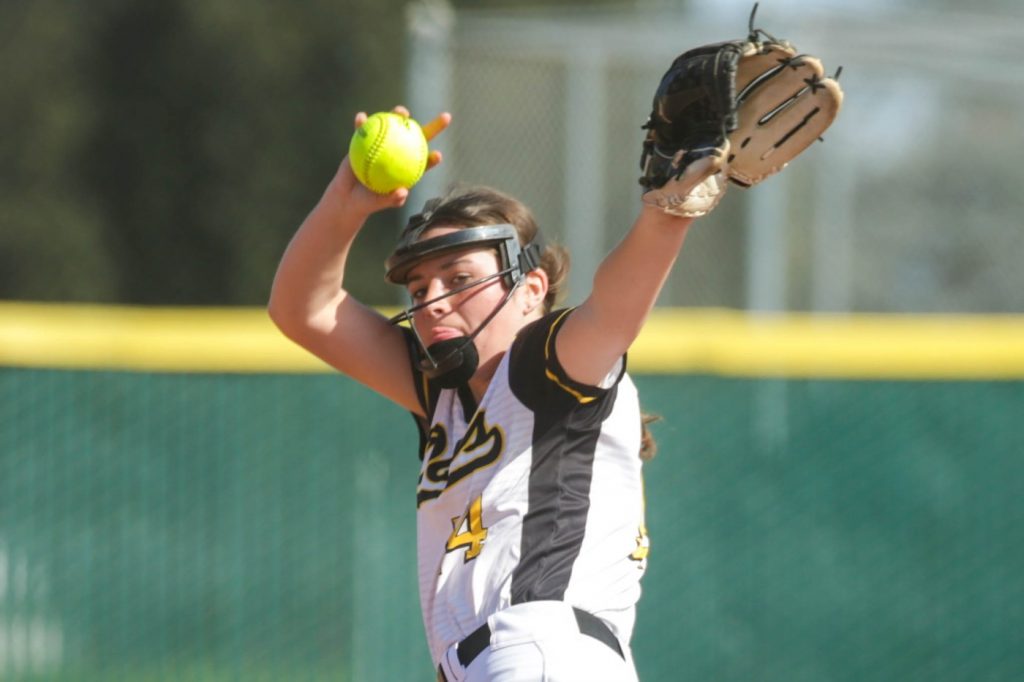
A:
(456, 364)
(452, 362)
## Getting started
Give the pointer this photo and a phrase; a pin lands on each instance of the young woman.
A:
(531, 534)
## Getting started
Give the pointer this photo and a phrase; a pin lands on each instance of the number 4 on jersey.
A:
(468, 531)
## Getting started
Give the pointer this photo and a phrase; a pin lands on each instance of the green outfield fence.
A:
(185, 496)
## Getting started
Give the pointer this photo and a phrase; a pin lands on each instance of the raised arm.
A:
(736, 111)
(626, 287)
(310, 304)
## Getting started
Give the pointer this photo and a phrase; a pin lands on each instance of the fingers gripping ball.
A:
(387, 152)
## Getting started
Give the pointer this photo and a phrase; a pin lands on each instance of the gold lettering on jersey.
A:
(480, 447)
(643, 547)
(469, 531)
(483, 444)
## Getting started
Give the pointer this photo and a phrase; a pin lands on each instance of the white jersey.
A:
(533, 494)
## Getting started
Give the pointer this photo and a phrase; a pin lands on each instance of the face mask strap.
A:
(406, 315)
(434, 363)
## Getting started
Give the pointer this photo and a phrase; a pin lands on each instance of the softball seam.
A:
(378, 142)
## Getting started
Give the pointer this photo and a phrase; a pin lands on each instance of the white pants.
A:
(540, 642)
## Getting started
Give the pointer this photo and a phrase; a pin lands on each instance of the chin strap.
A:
(458, 362)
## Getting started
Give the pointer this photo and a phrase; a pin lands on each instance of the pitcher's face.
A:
(462, 313)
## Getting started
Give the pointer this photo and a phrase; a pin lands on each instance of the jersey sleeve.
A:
(536, 373)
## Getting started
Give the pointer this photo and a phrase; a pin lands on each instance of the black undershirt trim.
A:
(426, 391)
(468, 402)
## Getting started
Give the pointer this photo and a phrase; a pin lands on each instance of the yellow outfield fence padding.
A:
(706, 341)
(832, 346)
(147, 339)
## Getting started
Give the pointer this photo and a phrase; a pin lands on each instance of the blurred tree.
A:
(165, 152)
(218, 129)
(50, 228)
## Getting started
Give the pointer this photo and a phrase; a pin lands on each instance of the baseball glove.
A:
(733, 111)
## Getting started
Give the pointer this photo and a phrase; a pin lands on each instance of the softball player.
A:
(531, 538)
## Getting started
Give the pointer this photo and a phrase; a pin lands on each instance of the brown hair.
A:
(477, 205)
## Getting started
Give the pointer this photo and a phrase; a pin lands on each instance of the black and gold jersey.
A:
(533, 494)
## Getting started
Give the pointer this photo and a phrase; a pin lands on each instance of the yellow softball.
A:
(387, 152)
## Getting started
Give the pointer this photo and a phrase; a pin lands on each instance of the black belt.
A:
(589, 624)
